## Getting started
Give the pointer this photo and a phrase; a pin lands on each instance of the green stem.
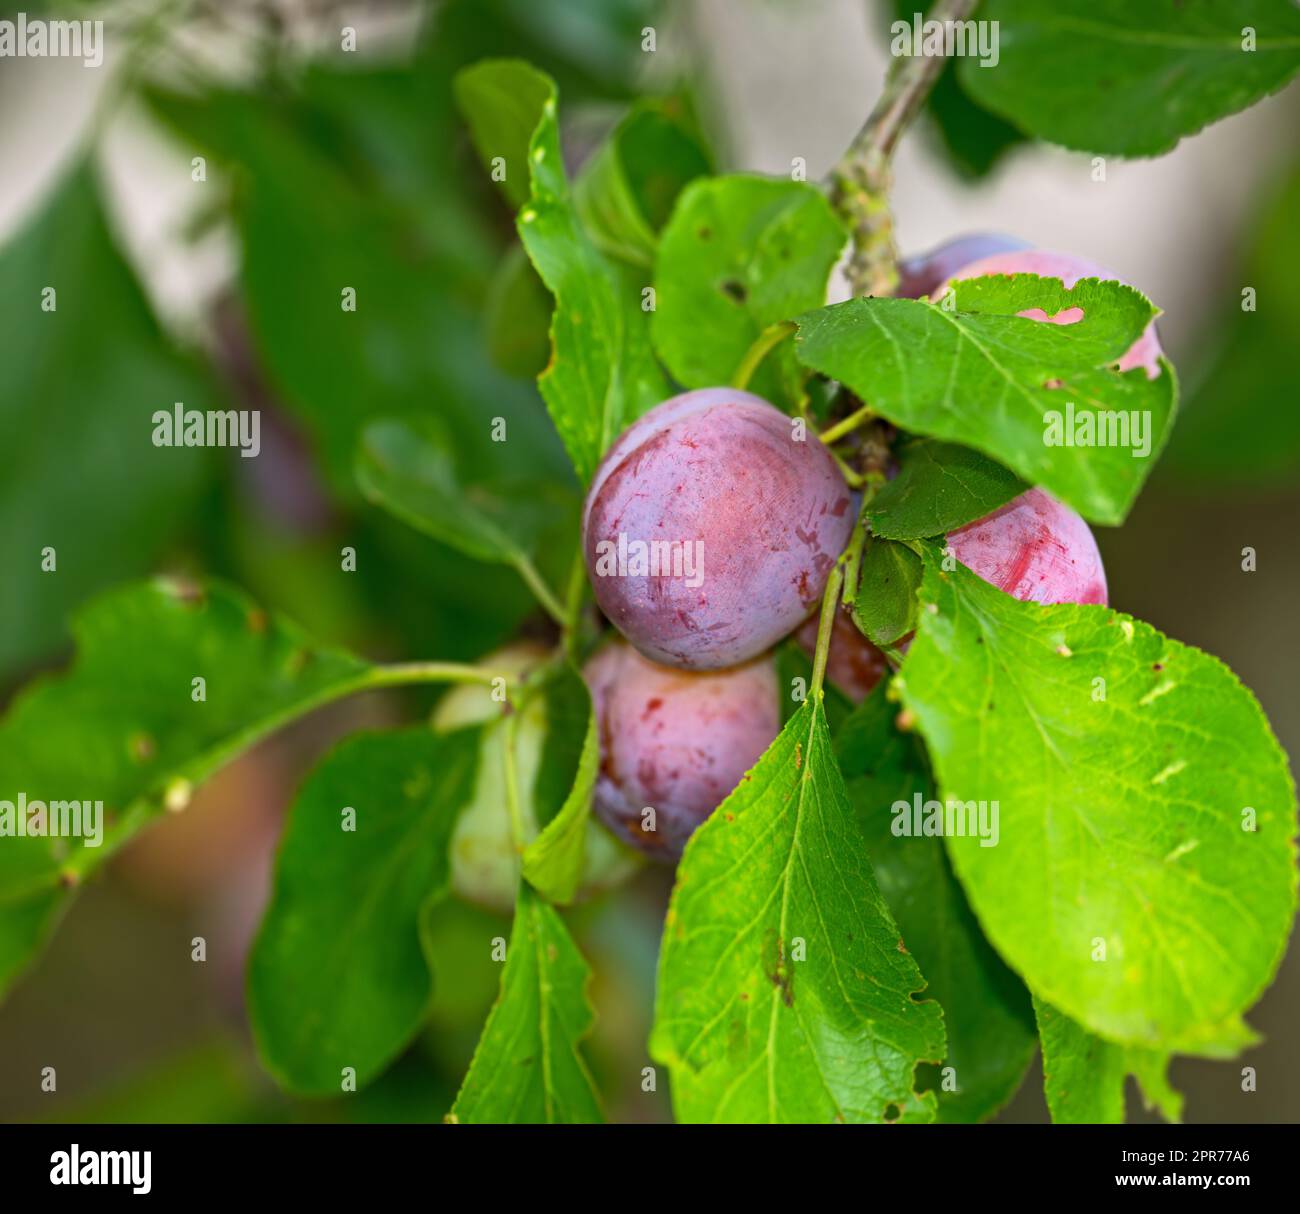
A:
(543, 593)
(855, 479)
(576, 595)
(855, 419)
(512, 782)
(843, 578)
(767, 340)
(403, 674)
(853, 565)
(830, 605)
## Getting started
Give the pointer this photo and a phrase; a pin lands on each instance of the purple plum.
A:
(1036, 549)
(673, 742)
(711, 526)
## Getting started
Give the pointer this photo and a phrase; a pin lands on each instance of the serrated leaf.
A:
(1124, 767)
(338, 977)
(939, 487)
(1131, 79)
(885, 606)
(739, 254)
(986, 1009)
(978, 373)
(784, 993)
(120, 726)
(627, 188)
(84, 368)
(602, 375)
(528, 1067)
(1083, 1076)
(553, 861)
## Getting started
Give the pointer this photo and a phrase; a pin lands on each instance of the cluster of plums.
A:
(709, 531)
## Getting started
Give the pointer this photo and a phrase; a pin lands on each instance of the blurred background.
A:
(229, 164)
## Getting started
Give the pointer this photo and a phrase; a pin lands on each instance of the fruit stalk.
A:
(860, 182)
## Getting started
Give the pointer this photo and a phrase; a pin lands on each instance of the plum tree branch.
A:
(860, 182)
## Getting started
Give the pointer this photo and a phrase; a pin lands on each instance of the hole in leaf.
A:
(1067, 316)
(735, 290)
(892, 1112)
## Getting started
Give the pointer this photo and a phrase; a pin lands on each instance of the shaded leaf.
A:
(885, 606)
(986, 1009)
(83, 371)
(337, 977)
(939, 487)
(413, 474)
(121, 726)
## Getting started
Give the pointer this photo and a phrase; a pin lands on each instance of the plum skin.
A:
(923, 273)
(675, 741)
(853, 664)
(718, 472)
(1036, 549)
(1145, 352)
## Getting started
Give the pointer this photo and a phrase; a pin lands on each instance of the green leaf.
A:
(501, 100)
(518, 317)
(885, 606)
(939, 487)
(784, 992)
(986, 1009)
(121, 726)
(1125, 767)
(1083, 1076)
(349, 179)
(602, 375)
(628, 187)
(337, 977)
(739, 254)
(528, 1068)
(413, 475)
(980, 374)
(83, 371)
(554, 860)
(974, 139)
(1131, 79)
